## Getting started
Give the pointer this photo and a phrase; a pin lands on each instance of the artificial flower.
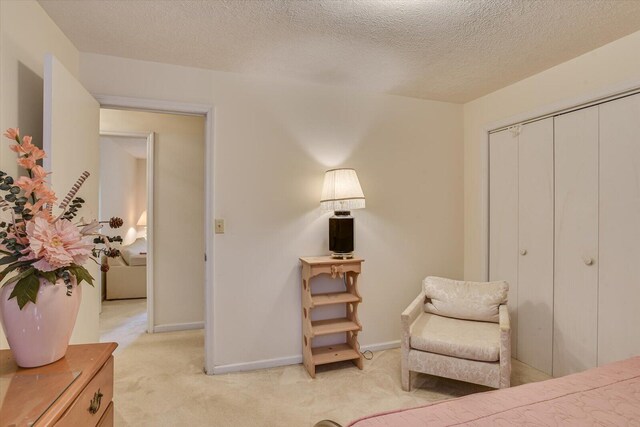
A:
(12, 133)
(33, 242)
(27, 162)
(58, 245)
(28, 149)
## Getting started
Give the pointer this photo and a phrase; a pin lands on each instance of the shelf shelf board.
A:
(333, 298)
(333, 326)
(333, 353)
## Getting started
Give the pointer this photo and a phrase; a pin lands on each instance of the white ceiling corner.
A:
(449, 50)
(135, 146)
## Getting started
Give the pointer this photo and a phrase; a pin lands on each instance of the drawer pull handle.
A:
(95, 402)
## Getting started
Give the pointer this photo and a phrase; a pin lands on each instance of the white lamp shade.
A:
(142, 222)
(341, 191)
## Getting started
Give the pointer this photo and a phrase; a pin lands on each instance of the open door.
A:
(71, 134)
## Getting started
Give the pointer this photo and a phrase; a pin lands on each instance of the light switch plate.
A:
(219, 226)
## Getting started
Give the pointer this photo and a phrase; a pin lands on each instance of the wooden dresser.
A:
(77, 390)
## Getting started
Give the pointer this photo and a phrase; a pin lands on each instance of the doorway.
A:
(175, 222)
(126, 180)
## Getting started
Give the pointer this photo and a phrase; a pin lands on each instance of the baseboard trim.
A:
(258, 364)
(174, 327)
(381, 346)
(289, 360)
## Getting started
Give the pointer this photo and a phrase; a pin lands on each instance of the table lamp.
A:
(341, 193)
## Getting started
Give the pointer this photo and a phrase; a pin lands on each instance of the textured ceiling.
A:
(451, 50)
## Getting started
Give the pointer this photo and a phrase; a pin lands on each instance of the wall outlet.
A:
(219, 226)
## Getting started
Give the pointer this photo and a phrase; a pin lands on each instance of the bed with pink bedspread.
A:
(604, 396)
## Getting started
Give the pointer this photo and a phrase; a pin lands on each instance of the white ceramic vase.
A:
(39, 334)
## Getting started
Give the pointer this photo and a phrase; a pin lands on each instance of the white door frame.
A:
(590, 98)
(149, 137)
(142, 104)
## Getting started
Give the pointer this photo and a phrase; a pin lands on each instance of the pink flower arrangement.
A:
(55, 245)
(34, 243)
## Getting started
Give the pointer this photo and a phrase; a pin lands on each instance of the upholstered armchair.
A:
(458, 330)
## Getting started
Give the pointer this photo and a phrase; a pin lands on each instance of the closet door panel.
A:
(619, 230)
(575, 302)
(535, 261)
(503, 217)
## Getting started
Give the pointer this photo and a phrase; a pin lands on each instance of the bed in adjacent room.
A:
(127, 275)
(604, 396)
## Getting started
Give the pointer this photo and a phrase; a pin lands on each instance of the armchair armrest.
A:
(411, 313)
(408, 316)
(505, 346)
(503, 313)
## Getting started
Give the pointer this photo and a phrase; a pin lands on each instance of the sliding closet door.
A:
(535, 261)
(575, 339)
(503, 217)
(619, 234)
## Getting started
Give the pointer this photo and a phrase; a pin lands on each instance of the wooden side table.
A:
(74, 391)
(344, 269)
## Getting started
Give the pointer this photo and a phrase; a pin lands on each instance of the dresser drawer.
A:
(107, 418)
(92, 403)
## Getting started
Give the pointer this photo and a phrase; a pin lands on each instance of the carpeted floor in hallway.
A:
(159, 382)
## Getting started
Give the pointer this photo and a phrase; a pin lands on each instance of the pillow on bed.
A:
(464, 300)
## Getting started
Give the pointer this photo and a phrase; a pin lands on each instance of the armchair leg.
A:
(406, 376)
(505, 379)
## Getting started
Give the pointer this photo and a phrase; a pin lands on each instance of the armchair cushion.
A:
(464, 300)
(464, 339)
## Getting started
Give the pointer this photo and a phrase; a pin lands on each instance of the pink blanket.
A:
(605, 396)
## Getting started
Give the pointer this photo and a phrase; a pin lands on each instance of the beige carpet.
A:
(159, 382)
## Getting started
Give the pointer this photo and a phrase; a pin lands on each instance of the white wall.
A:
(613, 66)
(119, 188)
(141, 193)
(178, 198)
(26, 34)
(273, 143)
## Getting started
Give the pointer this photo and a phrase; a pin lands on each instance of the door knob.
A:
(587, 260)
(523, 252)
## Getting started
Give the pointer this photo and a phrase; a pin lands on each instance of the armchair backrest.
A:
(464, 300)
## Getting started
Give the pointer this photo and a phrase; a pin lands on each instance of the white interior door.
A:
(503, 218)
(619, 230)
(70, 138)
(535, 236)
(575, 338)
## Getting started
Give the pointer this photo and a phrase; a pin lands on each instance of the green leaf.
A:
(9, 259)
(8, 269)
(20, 276)
(50, 276)
(26, 290)
(81, 274)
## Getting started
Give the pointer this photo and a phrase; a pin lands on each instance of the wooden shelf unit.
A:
(333, 326)
(333, 298)
(343, 269)
(333, 353)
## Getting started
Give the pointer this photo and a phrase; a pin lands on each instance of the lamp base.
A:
(342, 255)
(341, 235)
